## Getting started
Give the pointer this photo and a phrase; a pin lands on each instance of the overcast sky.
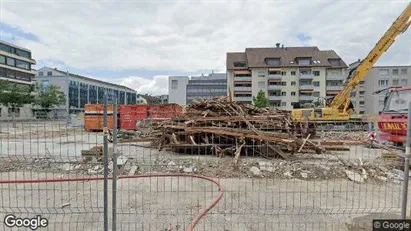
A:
(140, 43)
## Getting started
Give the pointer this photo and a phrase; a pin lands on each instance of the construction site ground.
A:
(308, 192)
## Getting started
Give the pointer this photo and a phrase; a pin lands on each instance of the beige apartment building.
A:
(287, 75)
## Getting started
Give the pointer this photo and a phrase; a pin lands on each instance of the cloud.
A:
(184, 36)
(158, 85)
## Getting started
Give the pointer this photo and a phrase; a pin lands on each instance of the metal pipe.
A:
(105, 152)
(406, 166)
(115, 154)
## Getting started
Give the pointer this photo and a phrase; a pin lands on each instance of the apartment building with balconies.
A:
(286, 74)
(379, 77)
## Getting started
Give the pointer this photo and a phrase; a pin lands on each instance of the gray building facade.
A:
(16, 67)
(81, 90)
(206, 87)
(379, 77)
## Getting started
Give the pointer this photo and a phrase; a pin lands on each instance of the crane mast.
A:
(399, 26)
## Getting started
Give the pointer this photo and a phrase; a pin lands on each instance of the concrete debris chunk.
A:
(288, 174)
(110, 166)
(92, 172)
(65, 205)
(132, 171)
(304, 174)
(266, 166)
(121, 160)
(256, 171)
(67, 167)
(189, 169)
(356, 177)
(172, 165)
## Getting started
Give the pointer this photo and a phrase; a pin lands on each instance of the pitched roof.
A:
(256, 57)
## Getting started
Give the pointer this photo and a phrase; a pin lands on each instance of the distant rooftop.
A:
(90, 79)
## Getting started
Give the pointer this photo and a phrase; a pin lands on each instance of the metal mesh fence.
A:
(334, 180)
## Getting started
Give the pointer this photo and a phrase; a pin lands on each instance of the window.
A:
(362, 82)
(14, 112)
(384, 72)
(395, 82)
(362, 102)
(316, 83)
(304, 61)
(362, 112)
(283, 104)
(174, 84)
(293, 93)
(353, 94)
(261, 74)
(362, 92)
(2, 59)
(283, 73)
(404, 82)
(284, 83)
(403, 71)
(334, 62)
(10, 62)
(293, 83)
(261, 84)
(41, 73)
(23, 53)
(293, 73)
(383, 82)
(22, 64)
(240, 64)
(49, 73)
(44, 84)
(11, 74)
(316, 73)
(283, 93)
(316, 94)
(394, 71)
(273, 61)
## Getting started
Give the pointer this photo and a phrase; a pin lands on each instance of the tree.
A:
(48, 97)
(14, 95)
(260, 101)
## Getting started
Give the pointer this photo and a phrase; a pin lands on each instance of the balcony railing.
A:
(306, 97)
(275, 87)
(275, 76)
(242, 78)
(243, 98)
(306, 76)
(275, 97)
(242, 88)
(334, 88)
(335, 77)
(307, 87)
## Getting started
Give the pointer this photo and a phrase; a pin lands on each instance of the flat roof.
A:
(14, 45)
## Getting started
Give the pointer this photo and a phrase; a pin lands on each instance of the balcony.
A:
(306, 76)
(275, 76)
(275, 97)
(334, 88)
(306, 97)
(243, 98)
(242, 78)
(242, 88)
(335, 77)
(275, 87)
(307, 87)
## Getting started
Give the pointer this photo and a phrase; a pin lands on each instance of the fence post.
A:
(406, 166)
(105, 152)
(114, 209)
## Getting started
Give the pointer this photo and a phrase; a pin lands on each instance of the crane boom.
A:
(399, 26)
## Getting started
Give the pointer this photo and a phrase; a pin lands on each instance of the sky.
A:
(141, 43)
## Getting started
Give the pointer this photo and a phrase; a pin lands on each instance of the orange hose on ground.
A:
(192, 224)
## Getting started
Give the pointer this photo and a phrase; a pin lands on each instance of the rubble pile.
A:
(221, 127)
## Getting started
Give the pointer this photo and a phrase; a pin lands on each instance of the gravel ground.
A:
(309, 192)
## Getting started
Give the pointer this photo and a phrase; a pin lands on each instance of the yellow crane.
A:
(340, 108)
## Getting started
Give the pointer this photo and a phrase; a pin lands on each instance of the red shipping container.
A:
(129, 114)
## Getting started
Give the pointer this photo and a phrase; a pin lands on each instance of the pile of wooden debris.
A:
(221, 127)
